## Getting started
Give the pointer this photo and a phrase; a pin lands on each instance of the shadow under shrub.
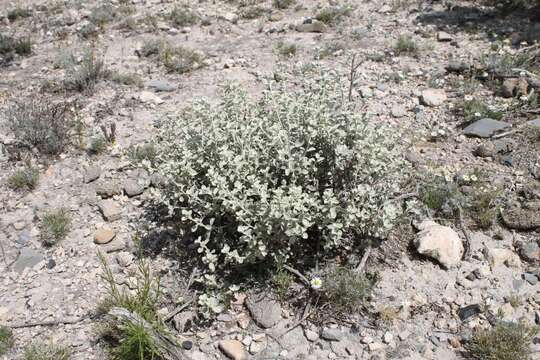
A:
(292, 175)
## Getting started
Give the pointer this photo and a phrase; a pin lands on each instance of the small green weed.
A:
(129, 79)
(55, 226)
(144, 152)
(19, 13)
(98, 145)
(182, 15)
(282, 4)
(345, 290)
(24, 179)
(405, 45)
(175, 59)
(476, 109)
(333, 15)
(282, 281)
(505, 341)
(330, 48)
(483, 205)
(42, 351)
(6, 339)
(286, 49)
(85, 76)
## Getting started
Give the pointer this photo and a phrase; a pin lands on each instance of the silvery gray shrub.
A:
(255, 180)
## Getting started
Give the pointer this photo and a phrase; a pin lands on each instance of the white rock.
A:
(148, 97)
(440, 243)
(497, 257)
(433, 97)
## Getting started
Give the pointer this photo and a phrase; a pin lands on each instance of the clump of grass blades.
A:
(6, 339)
(286, 49)
(406, 45)
(334, 14)
(55, 226)
(24, 179)
(505, 341)
(346, 290)
(85, 76)
(132, 340)
(41, 351)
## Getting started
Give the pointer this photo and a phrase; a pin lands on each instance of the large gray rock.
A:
(485, 128)
(27, 258)
(265, 311)
(439, 242)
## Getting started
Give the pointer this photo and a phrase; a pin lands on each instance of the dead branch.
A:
(467, 245)
(48, 323)
(360, 268)
(297, 273)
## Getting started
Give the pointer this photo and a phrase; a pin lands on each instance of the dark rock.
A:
(332, 334)
(507, 160)
(537, 317)
(485, 128)
(521, 219)
(504, 146)
(265, 311)
(51, 264)
(530, 278)
(470, 310)
(508, 88)
(27, 258)
(485, 150)
(187, 345)
(457, 67)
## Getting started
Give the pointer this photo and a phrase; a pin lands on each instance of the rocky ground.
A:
(427, 305)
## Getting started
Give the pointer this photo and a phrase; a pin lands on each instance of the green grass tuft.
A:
(6, 339)
(24, 179)
(41, 351)
(55, 226)
(505, 341)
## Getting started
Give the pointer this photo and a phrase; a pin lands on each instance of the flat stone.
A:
(485, 128)
(230, 17)
(521, 219)
(160, 85)
(27, 258)
(133, 187)
(92, 172)
(148, 97)
(265, 311)
(499, 256)
(104, 236)
(440, 243)
(311, 335)
(444, 36)
(398, 111)
(233, 349)
(110, 209)
(535, 122)
(433, 97)
(530, 251)
(332, 334)
(143, 117)
(24, 237)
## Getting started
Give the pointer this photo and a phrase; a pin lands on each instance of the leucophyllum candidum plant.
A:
(297, 172)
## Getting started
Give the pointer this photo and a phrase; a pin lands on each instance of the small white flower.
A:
(316, 283)
(474, 178)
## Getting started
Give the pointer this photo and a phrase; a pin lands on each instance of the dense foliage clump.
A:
(294, 173)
